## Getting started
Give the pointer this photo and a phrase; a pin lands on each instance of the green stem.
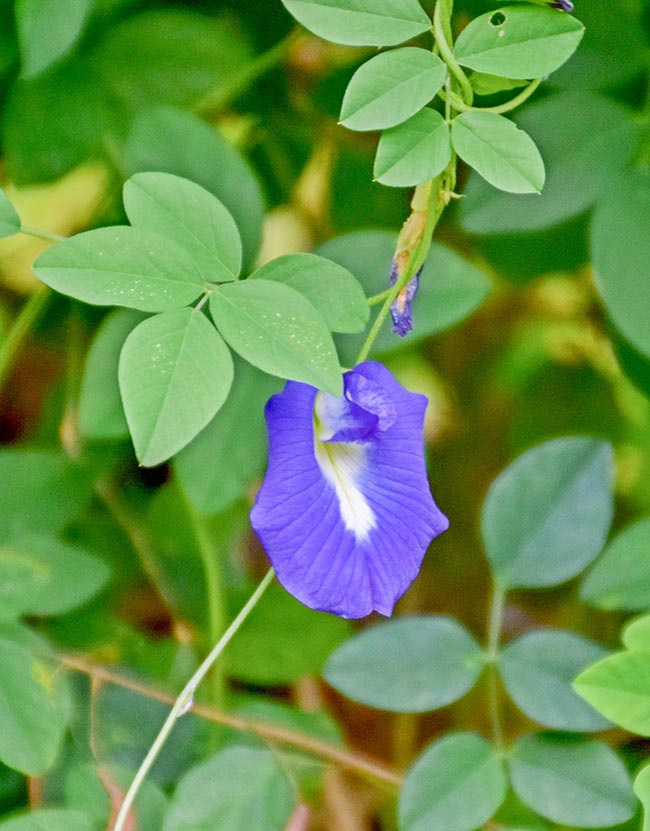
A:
(495, 624)
(50, 236)
(185, 700)
(240, 81)
(435, 207)
(448, 56)
(214, 589)
(506, 107)
(21, 327)
(376, 299)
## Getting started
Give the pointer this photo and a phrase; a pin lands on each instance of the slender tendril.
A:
(506, 107)
(185, 700)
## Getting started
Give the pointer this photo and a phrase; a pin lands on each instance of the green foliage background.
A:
(532, 331)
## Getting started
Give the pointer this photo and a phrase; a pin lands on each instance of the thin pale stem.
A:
(185, 700)
(213, 586)
(361, 765)
(240, 81)
(50, 236)
(495, 623)
(20, 329)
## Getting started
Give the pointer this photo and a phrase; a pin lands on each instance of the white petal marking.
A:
(342, 464)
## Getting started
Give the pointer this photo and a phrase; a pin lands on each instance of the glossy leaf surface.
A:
(390, 88)
(122, 266)
(407, 666)
(175, 373)
(277, 330)
(191, 216)
(457, 784)
(538, 669)
(546, 517)
(519, 41)
(361, 22)
(413, 152)
(331, 289)
(502, 154)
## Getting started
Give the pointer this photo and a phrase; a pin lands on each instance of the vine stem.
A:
(185, 700)
(495, 624)
(447, 55)
(435, 204)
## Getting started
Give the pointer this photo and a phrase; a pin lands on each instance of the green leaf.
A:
(33, 710)
(571, 781)
(277, 330)
(174, 141)
(457, 784)
(331, 289)
(408, 666)
(546, 517)
(101, 414)
(361, 22)
(296, 641)
(519, 41)
(122, 266)
(636, 635)
(391, 87)
(175, 373)
(238, 789)
(48, 819)
(21, 578)
(584, 139)
(191, 216)
(45, 34)
(619, 687)
(642, 790)
(168, 55)
(413, 152)
(451, 287)
(619, 252)
(9, 219)
(72, 576)
(47, 491)
(499, 151)
(620, 579)
(537, 671)
(234, 441)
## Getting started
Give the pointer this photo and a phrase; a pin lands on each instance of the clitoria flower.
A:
(345, 513)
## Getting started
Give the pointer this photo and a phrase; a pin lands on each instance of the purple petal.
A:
(346, 524)
(565, 5)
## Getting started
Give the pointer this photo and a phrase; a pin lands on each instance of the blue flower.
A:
(345, 512)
